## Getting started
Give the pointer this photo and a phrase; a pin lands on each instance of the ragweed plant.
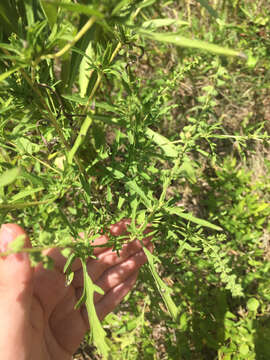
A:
(88, 137)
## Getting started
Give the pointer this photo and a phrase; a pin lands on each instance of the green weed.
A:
(146, 110)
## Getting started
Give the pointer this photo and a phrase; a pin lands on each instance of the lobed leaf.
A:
(169, 149)
(132, 185)
(98, 334)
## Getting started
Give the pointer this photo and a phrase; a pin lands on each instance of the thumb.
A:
(16, 284)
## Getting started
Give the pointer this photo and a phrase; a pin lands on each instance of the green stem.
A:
(46, 107)
(99, 78)
(83, 30)
(97, 83)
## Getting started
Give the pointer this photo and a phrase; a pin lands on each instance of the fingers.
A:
(16, 287)
(120, 228)
(115, 296)
(60, 260)
(117, 229)
(120, 273)
(118, 278)
(108, 259)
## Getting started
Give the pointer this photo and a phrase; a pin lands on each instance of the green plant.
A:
(93, 130)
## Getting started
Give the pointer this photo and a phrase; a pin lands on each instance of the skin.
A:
(38, 320)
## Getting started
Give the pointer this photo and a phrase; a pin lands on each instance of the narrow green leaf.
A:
(174, 38)
(188, 169)
(165, 144)
(132, 185)
(68, 223)
(29, 11)
(76, 98)
(24, 193)
(33, 179)
(189, 217)
(6, 74)
(79, 53)
(86, 188)
(22, 205)
(119, 6)
(163, 289)
(81, 300)
(69, 262)
(106, 106)
(9, 17)
(9, 176)
(146, 3)
(69, 278)
(80, 138)
(26, 146)
(156, 23)
(84, 70)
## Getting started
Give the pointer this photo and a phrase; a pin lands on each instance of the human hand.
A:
(38, 319)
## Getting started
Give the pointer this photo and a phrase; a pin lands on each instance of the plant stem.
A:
(97, 83)
(51, 116)
(99, 78)
(83, 30)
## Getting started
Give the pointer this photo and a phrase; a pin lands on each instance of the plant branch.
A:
(80, 34)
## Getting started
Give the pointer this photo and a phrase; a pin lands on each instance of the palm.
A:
(47, 326)
(55, 326)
